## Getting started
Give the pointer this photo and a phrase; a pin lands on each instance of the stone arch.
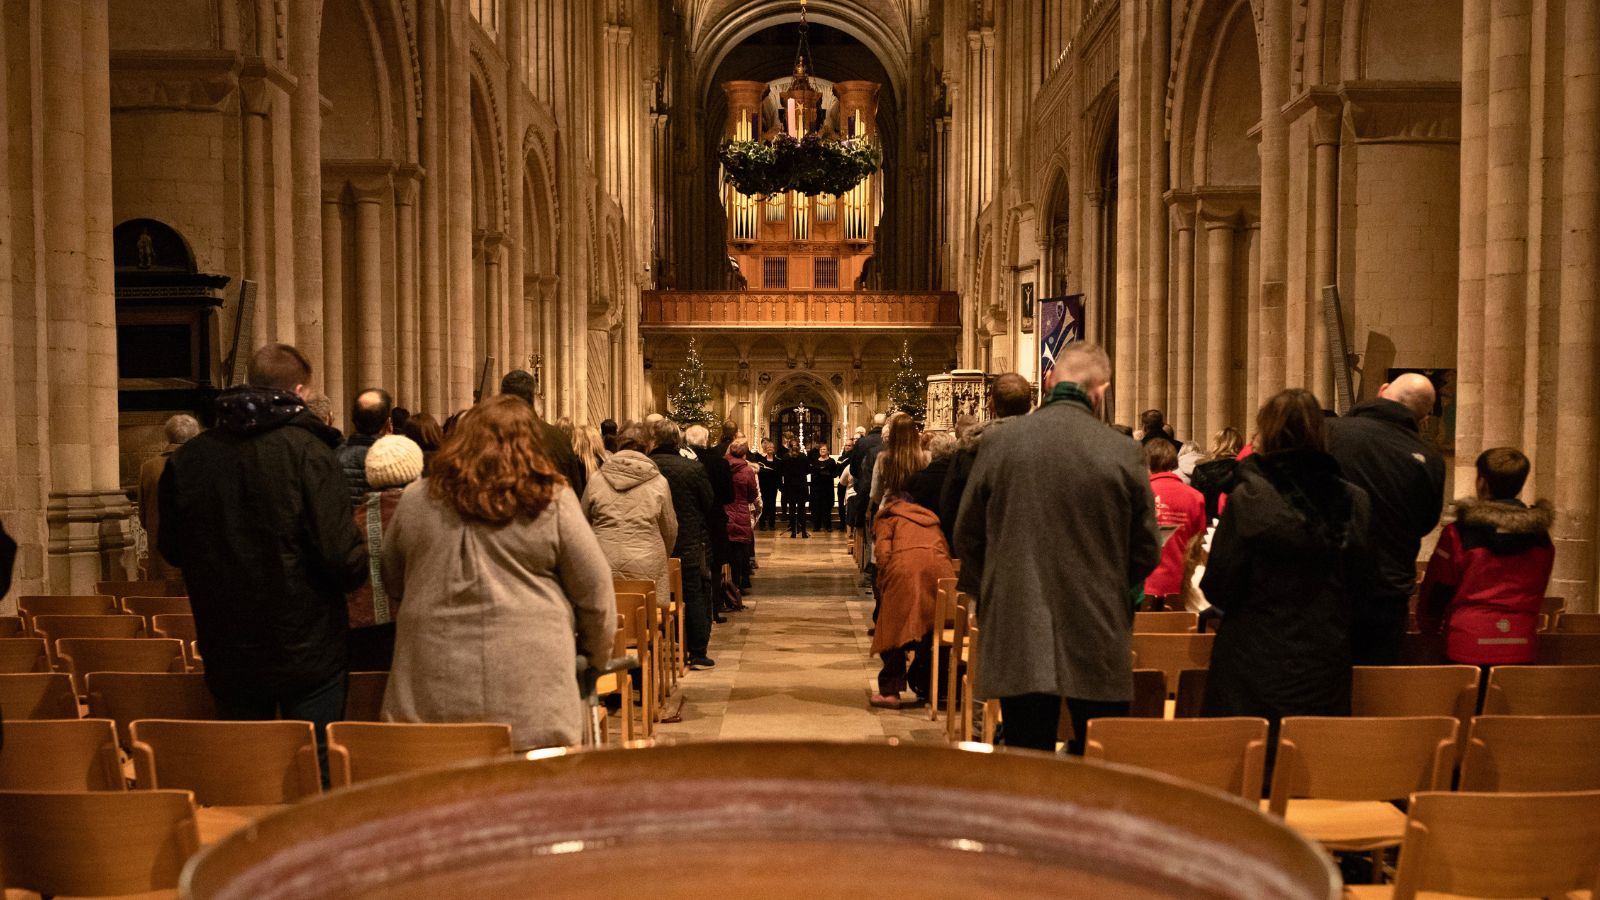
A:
(367, 84)
(796, 385)
(1055, 233)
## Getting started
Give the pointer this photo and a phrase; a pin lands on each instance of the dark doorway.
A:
(809, 424)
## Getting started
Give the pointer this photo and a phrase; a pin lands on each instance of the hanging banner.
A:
(1060, 323)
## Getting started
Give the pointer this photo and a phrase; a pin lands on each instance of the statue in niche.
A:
(146, 248)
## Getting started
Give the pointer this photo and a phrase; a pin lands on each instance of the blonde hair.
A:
(589, 446)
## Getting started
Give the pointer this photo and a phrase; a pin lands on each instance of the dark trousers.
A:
(742, 555)
(794, 509)
(821, 512)
(1032, 720)
(319, 704)
(696, 610)
(371, 649)
(769, 506)
(1378, 630)
(896, 676)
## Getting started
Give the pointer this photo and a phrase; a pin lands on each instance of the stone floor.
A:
(795, 663)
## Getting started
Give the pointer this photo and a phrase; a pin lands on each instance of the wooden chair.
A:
(227, 763)
(1542, 691)
(38, 695)
(1496, 845)
(80, 656)
(56, 628)
(1334, 777)
(361, 751)
(1172, 653)
(960, 653)
(675, 576)
(1571, 623)
(1532, 753)
(95, 843)
(65, 605)
(125, 697)
(61, 755)
(1560, 649)
(619, 683)
(1387, 691)
(363, 696)
(989, 708)
(23, 654)
(1228, 754)
(149, 607)
(180, 627)
(1149, 694)
(12, 626)
(1191, 700)
(636, 625)
(655, 621)
(158, 588)
(1550, 610)
(944, 633)
(1179, 622)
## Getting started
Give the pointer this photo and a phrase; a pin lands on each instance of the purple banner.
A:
(1060, 323)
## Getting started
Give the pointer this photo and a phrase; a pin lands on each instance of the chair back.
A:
(228, 763)
(1229, 754)
(12, 626)
(1550, 611)
(54, 628)
(1561, 649)
(1579, 623)
(60, 755)
(147, 588)
(1532, 753)
(66, 605)
(1337, 758)
(363, 696)
(96, 843)
(38, 695)
(1543, 690)
(1149, 694)
(1500, 845)
(636, 619)
(944, 603)
(173, 625)
(361, 751)
(84, 655)
(1178, 622)
(1386, 691)
(23, 654)
(1191, 694)
(125, 697)
(156, 606)
(1172, 653)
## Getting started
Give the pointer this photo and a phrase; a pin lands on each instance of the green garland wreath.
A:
(810, 165)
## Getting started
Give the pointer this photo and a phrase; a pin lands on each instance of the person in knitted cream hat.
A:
(392, 463)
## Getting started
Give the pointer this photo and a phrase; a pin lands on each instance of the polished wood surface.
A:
(821, 309)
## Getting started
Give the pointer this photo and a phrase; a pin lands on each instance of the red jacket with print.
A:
(1184, 508)
(1486, 581)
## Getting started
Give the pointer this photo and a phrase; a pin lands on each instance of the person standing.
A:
(369, 416)
(557, 444)
(1289, 555)
(1056, 591)
(767, 478)
(1181, 515)
(741, 524)
(393, 462)
(824, 469)
(796, 471)
(692, 503)
(629, 506)
(178, 430)
(1380, 449)
(1214, 477)
(498, 571)
(721, 476)
(256, 513)
(1009, 397)
(1486, 580)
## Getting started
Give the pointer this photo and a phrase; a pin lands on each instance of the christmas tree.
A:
(909, 392)
(691, 398)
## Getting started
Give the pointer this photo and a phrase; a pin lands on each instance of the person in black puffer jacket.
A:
(257, 514)
(692, 500)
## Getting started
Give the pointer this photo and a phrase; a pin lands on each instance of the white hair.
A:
(1082, 363)
(880, 418)
(180, 428)
(696, 435)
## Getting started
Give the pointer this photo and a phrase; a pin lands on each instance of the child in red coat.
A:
(1487, 577)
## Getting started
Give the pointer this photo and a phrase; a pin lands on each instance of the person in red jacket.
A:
(1180, 508)
(1488, 574)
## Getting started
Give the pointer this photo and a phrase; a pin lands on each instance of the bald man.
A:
(1380, 446)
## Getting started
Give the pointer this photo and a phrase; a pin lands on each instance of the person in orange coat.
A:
(912, 556)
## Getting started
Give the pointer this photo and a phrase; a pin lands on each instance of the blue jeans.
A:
(319, 704)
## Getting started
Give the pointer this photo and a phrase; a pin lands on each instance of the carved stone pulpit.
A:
(961, 392)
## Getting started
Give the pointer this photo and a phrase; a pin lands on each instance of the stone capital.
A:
(1181, 209)
(371, 188)
(1325, 109)
(1403, 112)
(1221, 207)
(407, 180)
(255, 96)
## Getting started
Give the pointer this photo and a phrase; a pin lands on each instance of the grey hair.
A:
(696, 435)
(1082, 363)
(880, 418)
(666, 432)
(180, 428)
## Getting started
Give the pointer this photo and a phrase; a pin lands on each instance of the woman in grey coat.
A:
(629, 505)
(499, 571)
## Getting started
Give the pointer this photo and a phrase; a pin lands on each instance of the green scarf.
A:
(1067, 390)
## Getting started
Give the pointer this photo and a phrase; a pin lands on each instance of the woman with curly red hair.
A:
(498, 570)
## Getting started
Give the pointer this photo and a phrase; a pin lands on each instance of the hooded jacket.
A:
(912, 556)
(629, 506)
(741, 529)
(257, 514)
(1486, 581)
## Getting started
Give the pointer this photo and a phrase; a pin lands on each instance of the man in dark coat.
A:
(1010, 396)
(1381, 450)
(1064, 501)
(256, 512)
(557, 445)
(721, 477)
(860, 459)
(370, 420)
(692, 501)
(795, 469)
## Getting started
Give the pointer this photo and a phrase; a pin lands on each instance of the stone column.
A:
(1506, 261)
(1219, 325)
(1125, 400)
(370, 192)
(1470, 324)
(433, 308)
(551, 337)
(1251, 398)
(275, 313)
(406, 383)
(1325, 137)
(616, 410)
(332, 281)
(464, 361)
(1156, 298)
(305, 22)
(1181, 407)
(494, 331)
(1277, 38)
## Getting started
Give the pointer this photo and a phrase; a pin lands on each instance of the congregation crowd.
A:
(474, 558)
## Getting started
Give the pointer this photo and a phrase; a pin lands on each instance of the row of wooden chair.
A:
(654, 631)
(30, 605)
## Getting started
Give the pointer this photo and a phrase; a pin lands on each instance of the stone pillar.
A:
(332, 281)
(1251, 398)
(274, 313)
(1124, 401)
(463, 357)
(433, 308)
(1218, 325)
(1325, 136)
(370, 192)
(306, 130)
(1470, 326)
(1506, 262)
(551, 338)
(616, 411)
(1277, 37)
(1182, 407)
(1156, 288)
(494, 331)
(406, 382)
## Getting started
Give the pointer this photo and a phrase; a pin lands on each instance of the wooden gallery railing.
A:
(816, 309)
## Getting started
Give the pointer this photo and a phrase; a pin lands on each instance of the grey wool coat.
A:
(486, 632)
(1056, 525)
(629, 505)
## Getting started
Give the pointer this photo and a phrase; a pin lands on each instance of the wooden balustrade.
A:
(812, 309)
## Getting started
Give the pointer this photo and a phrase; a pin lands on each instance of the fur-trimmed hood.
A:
(1506, 516)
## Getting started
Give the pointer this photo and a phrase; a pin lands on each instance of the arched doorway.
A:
(802, 408)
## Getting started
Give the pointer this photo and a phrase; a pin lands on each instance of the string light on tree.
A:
(691, 397)
(908, 393)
